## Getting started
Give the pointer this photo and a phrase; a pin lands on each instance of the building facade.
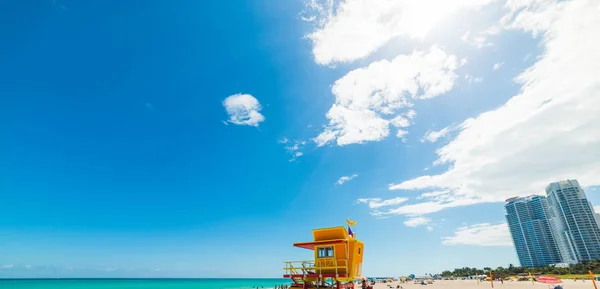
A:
(573, 222)
(527, 219)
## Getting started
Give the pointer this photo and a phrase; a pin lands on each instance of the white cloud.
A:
(549, 131)
(243, 109)
(150, 106)
(429, 228)
(401, 134)
(498, 65)
(347, 30)
(477, 41)
(344, 179)
(375, 203)
(432, 194)
(402, 120)
(368, 100)
(432, 135)
(597, 209)
(417, 221)
(111, 269)
(535, 16)
(7, 266)
(481, 235)
(293, 147)
(438, 204)
(472, 79)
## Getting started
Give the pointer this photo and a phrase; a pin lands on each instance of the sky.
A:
(203, 138)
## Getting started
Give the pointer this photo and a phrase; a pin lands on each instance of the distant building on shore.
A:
(573, 222)
(527, 219)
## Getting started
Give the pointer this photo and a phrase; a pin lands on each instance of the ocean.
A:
(141, 283)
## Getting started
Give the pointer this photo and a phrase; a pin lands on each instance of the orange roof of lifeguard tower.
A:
(325, 236)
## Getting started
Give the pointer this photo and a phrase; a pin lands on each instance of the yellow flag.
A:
(350, 223)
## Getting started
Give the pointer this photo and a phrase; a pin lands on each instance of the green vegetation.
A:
(573, 271)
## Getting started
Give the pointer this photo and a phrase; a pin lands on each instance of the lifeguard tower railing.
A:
(307, 271)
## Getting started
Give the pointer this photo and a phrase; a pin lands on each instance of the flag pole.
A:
(593, 280)
(531, 277)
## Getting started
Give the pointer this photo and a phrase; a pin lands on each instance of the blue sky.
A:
(196, 139)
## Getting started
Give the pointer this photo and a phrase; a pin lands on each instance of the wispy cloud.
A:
(473, 79)
(478, 41)
(150, 106)
(483, 234)
(417, 221)
(423, 208)
(344, 179)
(498, 65)
(433, 194)
(243, 109)
(433, 136)
(111, 269)
(7, 266)
(293, 147)
(375, 203)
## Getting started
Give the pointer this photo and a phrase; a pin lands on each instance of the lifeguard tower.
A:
(337, 260)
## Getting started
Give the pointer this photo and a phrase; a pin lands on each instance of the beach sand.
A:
(459, 284)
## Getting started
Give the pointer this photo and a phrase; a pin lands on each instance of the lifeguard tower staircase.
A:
(337, 261)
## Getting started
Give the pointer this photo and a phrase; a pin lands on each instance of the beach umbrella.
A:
(548, 280)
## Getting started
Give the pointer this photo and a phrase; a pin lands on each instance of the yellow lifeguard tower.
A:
(337, 260)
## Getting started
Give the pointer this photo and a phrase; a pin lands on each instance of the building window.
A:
(358, 251)
(325, 252)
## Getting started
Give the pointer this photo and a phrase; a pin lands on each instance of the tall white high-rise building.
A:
(573, 222)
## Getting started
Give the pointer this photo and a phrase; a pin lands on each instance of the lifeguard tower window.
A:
(358, 251)
(325, 252)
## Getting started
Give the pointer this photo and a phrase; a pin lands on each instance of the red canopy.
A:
(548, 280)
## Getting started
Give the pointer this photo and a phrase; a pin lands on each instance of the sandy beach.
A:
(459, 284)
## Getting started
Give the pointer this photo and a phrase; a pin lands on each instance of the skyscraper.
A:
(596, 214)
(527, 220)
(573, 222)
